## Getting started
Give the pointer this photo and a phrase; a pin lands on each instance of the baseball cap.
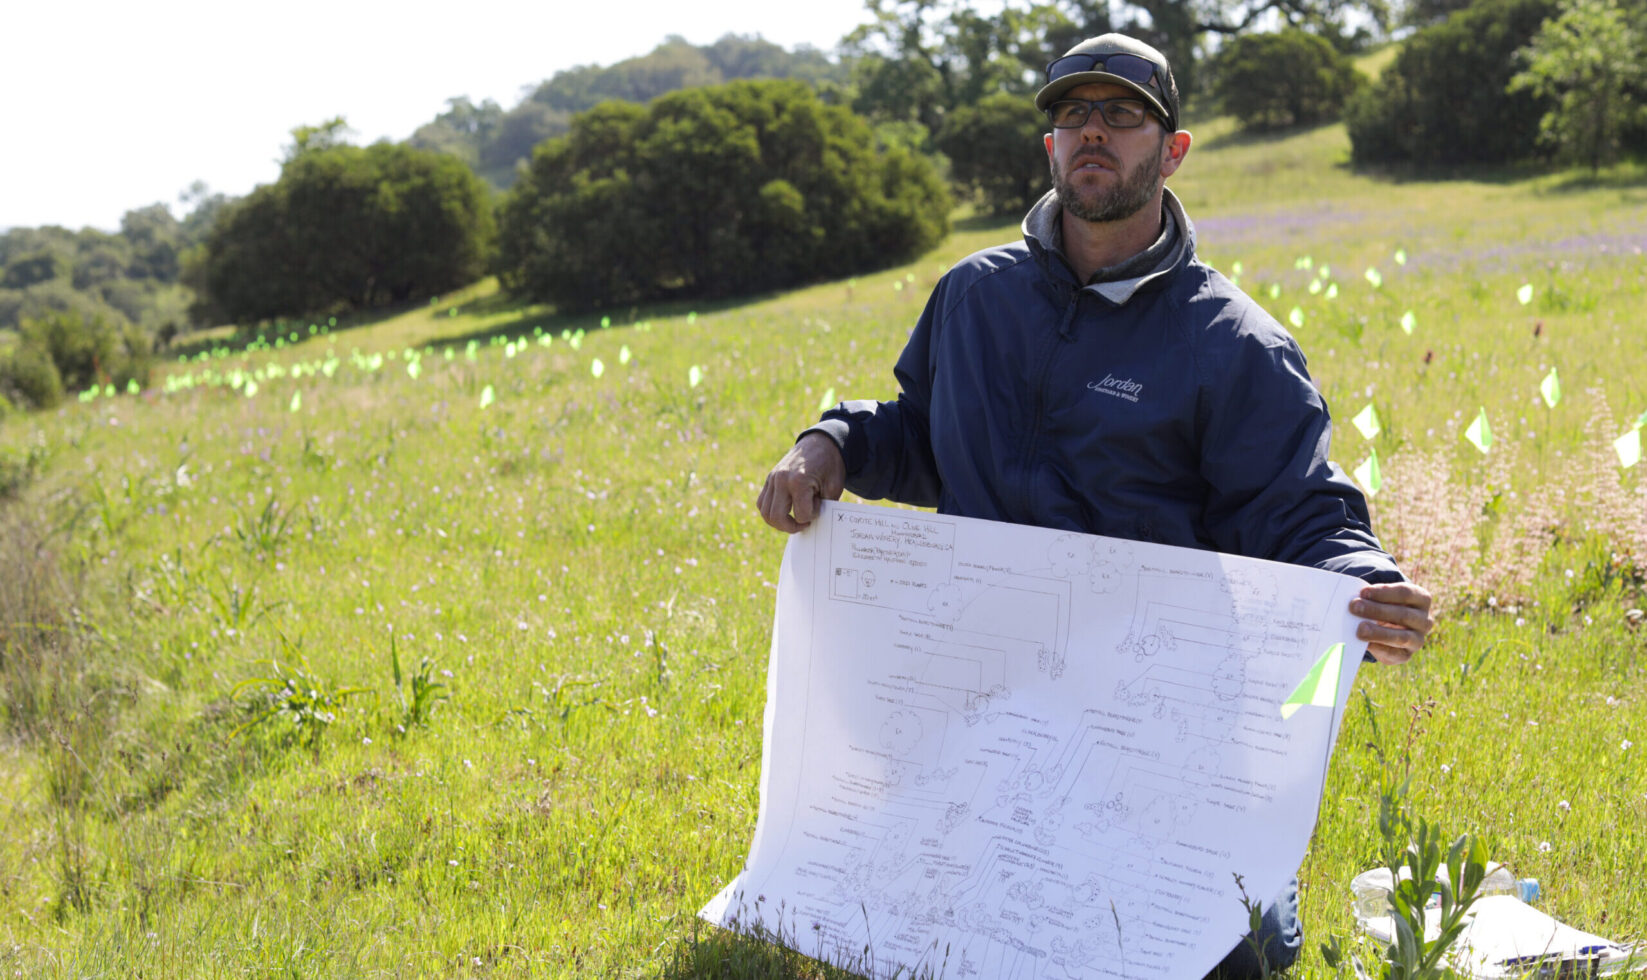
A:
(1120, 60)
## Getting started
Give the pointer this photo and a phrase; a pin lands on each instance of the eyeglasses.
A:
(1131, 67)
(1119, 113)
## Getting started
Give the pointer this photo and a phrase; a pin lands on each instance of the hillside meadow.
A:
(434, 645)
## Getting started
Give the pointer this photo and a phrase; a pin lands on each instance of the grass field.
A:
(434, 645)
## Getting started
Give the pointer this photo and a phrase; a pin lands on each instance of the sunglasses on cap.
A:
(1131, 67)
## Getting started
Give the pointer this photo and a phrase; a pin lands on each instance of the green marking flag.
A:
(1303, 262)
(1315, 286)
(1369, 474)
(1332, 291)
(1628, 447)
(131, 387)
(297, 400)
(1296, 317)
(1400, 256)
(624, 355)
(1480, 433)
(827, 401)
(605, 322)
(1525, 293)
(486, 397)
(692, 317)
(1366, 421)
(1550, 388)
(1326, 271)
(251, 388)
(694, 376)
(898, 285)
(414, 368)
(1320, 686)
(596, 368)
(1275, 290)
(1642, 420)
(1236, 268)
(509, 349)
(1408, 322)
(1375, 277)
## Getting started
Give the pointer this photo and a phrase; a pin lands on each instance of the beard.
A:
(1136, 188)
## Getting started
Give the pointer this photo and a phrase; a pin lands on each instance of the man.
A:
(1097, 377)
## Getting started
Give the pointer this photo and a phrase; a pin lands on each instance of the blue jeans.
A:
(1280, 934)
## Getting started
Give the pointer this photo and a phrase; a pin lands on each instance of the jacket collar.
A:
(1042, 233)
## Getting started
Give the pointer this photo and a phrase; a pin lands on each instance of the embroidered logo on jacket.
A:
(1119, 387)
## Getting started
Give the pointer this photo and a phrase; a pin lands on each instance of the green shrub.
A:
(1273, 81)
(345, 228)
(28, 376)
(1443, 99)
(713, 192)
(995, 152)
(90, 350)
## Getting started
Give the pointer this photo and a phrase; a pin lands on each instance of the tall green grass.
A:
(579, 564)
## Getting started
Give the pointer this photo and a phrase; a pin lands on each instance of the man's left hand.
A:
(1398, 619)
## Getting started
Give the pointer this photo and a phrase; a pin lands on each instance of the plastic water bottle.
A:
(1371, 889)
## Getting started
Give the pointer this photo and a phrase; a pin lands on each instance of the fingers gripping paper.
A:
(1004, 751)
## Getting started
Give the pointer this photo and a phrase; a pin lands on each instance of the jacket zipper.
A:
(1042, 374)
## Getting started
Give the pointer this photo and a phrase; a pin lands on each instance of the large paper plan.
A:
(1003, 751)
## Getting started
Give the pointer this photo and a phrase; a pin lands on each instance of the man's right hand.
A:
(812, 469)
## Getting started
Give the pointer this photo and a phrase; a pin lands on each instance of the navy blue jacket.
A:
(1171, 409)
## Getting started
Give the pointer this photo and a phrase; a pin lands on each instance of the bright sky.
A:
(112, 105)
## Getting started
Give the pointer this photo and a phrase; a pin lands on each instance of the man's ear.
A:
(1047, 138)
(1173, 152)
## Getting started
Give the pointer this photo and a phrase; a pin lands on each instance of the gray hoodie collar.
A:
(1043, 228)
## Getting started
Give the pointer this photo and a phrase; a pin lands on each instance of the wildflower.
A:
(1445, 769)
(1564, 806)
(1543, 847)
(366, 741)
(1624, 746)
